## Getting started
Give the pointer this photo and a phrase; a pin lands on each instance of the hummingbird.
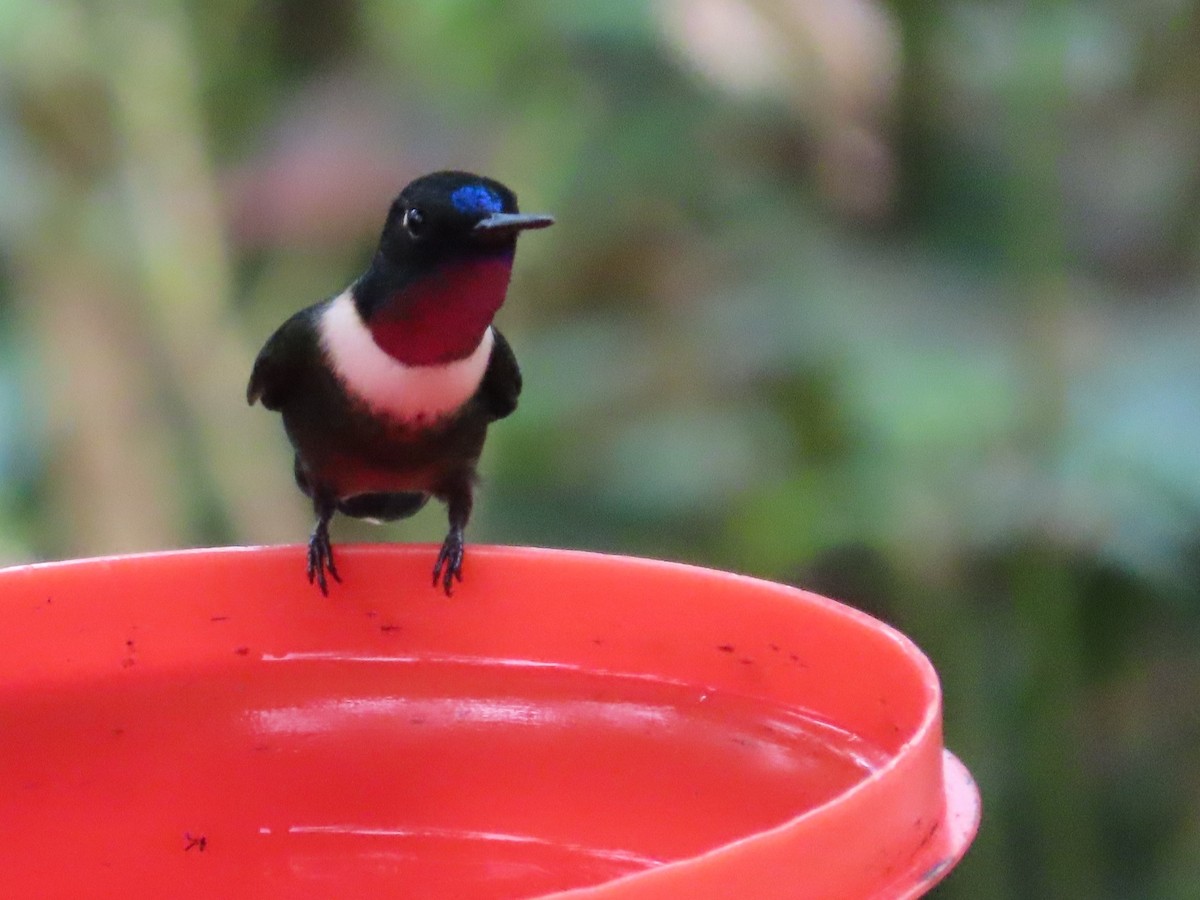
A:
(387, 389)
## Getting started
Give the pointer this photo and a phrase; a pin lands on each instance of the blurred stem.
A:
(1044, 595)
(182, 256)
(112, 473)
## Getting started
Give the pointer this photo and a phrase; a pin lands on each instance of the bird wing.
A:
(501, 383)
(274, 372)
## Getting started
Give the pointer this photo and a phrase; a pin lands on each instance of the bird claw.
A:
(320, 559)
(449, 561)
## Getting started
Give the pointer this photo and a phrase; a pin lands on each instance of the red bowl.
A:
(206, 724)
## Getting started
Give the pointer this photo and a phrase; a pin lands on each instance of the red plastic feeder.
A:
(206, 724)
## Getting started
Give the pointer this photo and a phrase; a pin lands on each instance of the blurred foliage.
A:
(897, 301)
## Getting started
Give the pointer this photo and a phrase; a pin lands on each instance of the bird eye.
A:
(414, 221)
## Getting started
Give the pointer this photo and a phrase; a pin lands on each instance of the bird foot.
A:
(320, 558)
(449, 561)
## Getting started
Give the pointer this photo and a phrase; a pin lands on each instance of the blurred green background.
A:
(898, 301)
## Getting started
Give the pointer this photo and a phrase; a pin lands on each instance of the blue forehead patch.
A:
(475, 198)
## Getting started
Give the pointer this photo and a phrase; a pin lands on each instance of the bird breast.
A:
(407, 393)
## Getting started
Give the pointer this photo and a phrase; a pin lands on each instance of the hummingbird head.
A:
(442, 267)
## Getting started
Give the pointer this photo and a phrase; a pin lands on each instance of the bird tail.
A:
(383, 507)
